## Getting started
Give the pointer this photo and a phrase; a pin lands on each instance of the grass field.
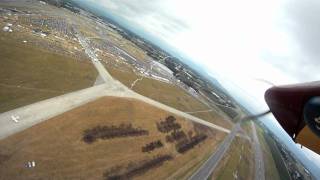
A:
(29, 74)
(165, 93)
(238, 161)
(269, 162)
(278, 162)
(57, 147)
(126, 45)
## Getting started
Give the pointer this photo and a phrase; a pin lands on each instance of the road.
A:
(258, 156)
(43, 110)
(129, 93)
(33, 114)
(104, 74)
(38, 112)
(195, 112)
(207, 168)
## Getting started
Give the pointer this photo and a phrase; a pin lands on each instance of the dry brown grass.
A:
(57, 148)
(163, 92)
(29, 73)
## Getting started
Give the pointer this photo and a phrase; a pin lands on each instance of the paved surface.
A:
(43, 110)
(98, 81)
(195, 112)
(178, 112)
(128, 92)
(38, 112)
(207, 168)
(258, 156)
(95, 61)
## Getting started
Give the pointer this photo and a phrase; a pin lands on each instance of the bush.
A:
(176, 136)
(135, 169)
(152, 146)
(168, 125)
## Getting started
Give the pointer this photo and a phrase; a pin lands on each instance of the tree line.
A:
(135, 169)
(108, 132)
(187, 144)
(152, 146)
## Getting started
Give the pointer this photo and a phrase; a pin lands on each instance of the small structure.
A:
(42, 2)
(31, 164)
(43, 35)
(40, 32)
(161, 68)
(15, 118)
(6, 29)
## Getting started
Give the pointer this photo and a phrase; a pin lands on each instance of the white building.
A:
(161, 68)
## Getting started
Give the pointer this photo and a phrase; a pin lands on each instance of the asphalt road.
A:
(258, 156)
(207, 168)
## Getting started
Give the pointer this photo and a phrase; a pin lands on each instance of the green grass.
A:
(269, 162)
(29, 74)
(283, 172)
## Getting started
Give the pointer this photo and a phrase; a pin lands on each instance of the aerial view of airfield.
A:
(83, 97)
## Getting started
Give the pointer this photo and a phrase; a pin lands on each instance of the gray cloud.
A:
(304, 25)
(301, 20)
(141, 9)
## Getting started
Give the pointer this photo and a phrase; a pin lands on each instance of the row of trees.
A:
(134, 169)
(187, 144)
(107, 132)
(152, 146)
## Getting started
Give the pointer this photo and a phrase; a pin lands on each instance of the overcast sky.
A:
(243, 42)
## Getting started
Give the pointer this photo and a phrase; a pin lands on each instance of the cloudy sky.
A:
(242, 43)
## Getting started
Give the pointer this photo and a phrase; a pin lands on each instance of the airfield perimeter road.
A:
(109, 80)
(207, 168)
(35, 113)
(43, 110)
(258, 156)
